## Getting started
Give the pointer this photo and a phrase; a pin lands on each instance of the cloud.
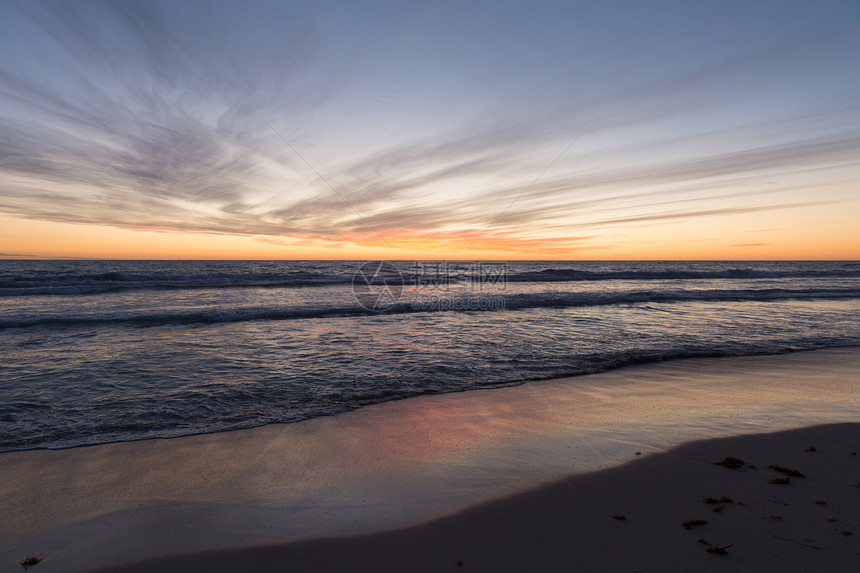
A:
(155, 117)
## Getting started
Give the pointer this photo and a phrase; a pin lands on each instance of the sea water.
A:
(102, 351)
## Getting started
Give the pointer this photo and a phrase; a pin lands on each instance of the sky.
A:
(433, 130)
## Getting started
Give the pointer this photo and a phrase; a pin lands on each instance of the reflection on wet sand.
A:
(401, 462)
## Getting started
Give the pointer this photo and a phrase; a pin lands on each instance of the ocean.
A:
(103, 351)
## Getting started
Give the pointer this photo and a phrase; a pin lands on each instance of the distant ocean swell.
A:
(423, 303)
(63, 285)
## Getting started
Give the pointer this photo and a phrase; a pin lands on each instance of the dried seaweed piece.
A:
(723, 499)
(731, 463)
(30, 561)
(788, 471)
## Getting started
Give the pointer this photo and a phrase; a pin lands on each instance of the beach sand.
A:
(472, 470)
(810, 524)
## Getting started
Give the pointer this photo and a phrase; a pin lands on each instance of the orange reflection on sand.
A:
(460, 429)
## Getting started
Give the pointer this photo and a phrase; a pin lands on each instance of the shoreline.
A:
(633, 363)
(394, 464)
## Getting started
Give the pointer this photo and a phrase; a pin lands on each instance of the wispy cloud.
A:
(150, 119)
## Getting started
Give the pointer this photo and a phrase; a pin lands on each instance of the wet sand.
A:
(401, 463)
(673, 511)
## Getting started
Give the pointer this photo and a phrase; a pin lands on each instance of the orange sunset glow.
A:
(836, 238)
